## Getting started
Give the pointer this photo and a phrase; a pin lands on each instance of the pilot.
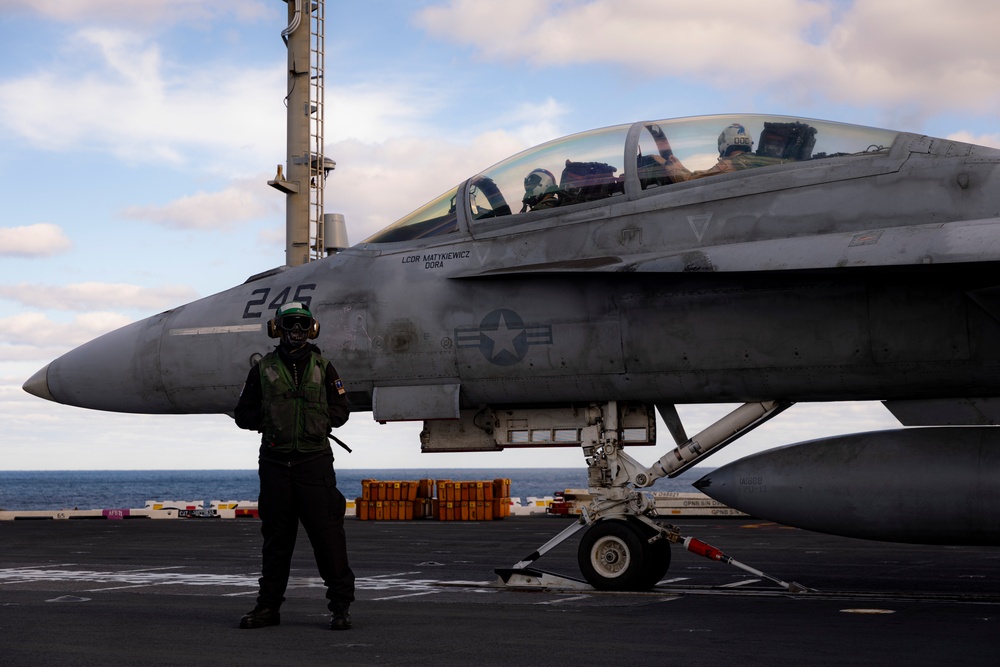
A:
(734, 143)
(539, 191)
(294, 397)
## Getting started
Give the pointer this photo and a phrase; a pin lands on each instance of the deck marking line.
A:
(561, 600)
(408, 595)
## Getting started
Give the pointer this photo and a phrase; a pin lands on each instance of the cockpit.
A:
(633, 160)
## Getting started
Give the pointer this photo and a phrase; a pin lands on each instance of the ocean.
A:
(130, 489)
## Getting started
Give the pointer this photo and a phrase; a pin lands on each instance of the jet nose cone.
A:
(120, 372)
(38, 384)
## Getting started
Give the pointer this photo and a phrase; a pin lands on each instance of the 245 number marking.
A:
(251, 311)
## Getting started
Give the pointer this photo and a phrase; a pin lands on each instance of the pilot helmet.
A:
(734, 138)
(537, 184)
(291, 316)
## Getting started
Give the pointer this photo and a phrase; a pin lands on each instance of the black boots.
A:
(341, 619)
(260, 617)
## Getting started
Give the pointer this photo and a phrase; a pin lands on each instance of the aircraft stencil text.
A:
(436, 260)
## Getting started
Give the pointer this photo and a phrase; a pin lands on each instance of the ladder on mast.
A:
(319, 165)
(307, 167)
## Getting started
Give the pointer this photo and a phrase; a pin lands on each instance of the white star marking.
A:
(503, 338)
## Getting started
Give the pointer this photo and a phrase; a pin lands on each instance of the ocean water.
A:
(105, 489)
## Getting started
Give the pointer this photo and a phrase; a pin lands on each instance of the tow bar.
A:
(700, 548)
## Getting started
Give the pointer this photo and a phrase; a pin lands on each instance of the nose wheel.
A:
(616, 555)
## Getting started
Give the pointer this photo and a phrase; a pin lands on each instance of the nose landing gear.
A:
(624, 549)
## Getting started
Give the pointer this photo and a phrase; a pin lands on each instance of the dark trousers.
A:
(305, 492)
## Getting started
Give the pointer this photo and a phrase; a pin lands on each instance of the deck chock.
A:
(529, 577)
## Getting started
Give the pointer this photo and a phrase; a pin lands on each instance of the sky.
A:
(136, 139)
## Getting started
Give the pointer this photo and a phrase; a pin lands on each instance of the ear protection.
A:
(274, 331)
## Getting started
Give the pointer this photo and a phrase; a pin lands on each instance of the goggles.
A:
(293, 322)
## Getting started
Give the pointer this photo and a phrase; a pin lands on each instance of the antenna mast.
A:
(306, 166)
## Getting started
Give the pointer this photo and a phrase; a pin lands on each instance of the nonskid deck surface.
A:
(172, 592)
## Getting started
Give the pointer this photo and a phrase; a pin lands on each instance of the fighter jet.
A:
(566, 294)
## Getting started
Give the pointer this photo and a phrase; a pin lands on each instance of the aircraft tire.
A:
(613, 557)
(657, 558)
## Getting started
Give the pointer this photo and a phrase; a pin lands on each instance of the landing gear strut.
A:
(624, 549)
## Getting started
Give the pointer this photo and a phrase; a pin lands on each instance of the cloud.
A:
(41, 240)
(26, 331)
(380, 112)
(116, 93)
(535, 122)
(649, 36)
(991, 140)
(915, 54)
(96, 296)
(146, 13)
(245, 200)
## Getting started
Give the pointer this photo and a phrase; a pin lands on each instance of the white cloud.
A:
(650, 36)
(41, 240)
(130, 101)
(147, 12)
(96, 296)
(991, 140)
(244, 200)
(27, 331)
(379, 112)
(915, 54)
(134, 105)
(535, 122)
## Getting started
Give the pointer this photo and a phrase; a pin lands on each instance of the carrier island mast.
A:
(310, 234)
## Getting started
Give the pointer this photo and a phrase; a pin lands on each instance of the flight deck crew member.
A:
(294, 397)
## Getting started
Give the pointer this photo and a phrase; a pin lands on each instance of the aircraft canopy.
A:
(594, 165)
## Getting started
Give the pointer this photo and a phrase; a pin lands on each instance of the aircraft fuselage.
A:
(868, 277)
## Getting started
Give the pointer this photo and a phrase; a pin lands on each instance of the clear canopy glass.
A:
(671, 151)
(592, 165)
(572, 170)
(438, 216)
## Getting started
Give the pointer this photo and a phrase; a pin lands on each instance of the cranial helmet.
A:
(536, 184)
(734, 138)
(292, 315)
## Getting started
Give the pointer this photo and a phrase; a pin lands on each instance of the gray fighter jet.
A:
(561, 296)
